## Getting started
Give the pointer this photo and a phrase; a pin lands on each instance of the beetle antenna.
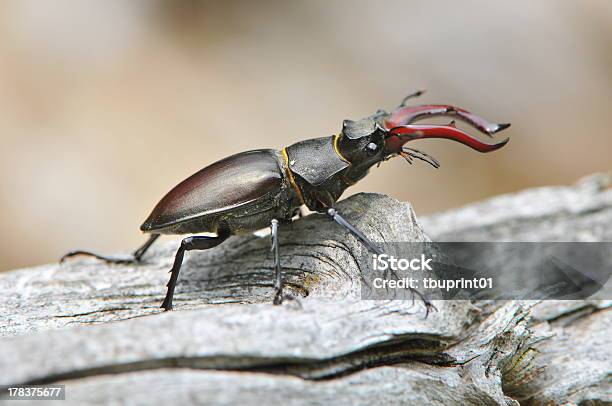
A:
(415, 153)
(384, 159)
(406, 156)
(418, 93)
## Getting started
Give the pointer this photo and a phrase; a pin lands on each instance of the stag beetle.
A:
(258, 189)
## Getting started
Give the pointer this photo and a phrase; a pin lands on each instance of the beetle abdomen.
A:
(248, 182)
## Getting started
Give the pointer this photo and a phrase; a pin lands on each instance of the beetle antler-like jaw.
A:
(398, 136)
(408, 115)
(400, 127)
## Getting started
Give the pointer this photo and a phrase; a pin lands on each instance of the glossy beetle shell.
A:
(240, 193)
(315, 160)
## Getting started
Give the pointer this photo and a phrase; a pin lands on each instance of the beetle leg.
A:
(278, 280)
(145, 247)
(197, 242)
(333, 214)
(408, 115)
(136, 255)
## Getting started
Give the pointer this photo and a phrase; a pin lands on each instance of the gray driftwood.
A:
(98, 328)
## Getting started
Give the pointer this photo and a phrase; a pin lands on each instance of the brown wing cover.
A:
(231, 182)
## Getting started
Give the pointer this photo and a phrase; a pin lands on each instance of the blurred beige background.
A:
(105, 105)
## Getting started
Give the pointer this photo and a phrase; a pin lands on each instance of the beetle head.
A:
(362, 142)
(382, 136)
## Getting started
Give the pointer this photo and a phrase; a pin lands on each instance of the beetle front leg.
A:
(136, 255)
(188, 244)
(333, 214)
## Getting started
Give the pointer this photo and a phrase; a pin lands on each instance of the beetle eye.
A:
(371, 148)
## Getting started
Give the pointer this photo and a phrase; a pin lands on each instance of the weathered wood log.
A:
(576, 361)
(98, 328)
